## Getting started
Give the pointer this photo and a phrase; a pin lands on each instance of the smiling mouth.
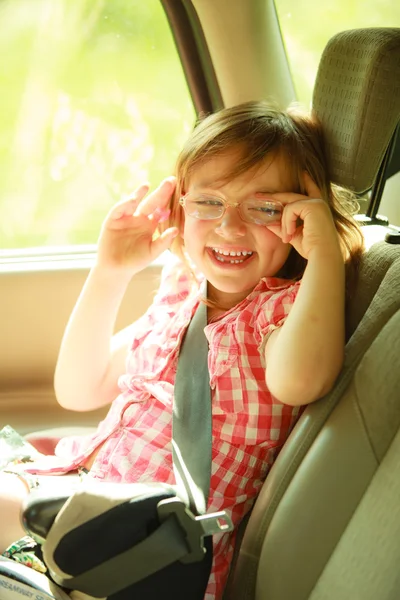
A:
(231, 257)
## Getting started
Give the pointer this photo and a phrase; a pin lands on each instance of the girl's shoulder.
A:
(272, 291)
(268, 304)
(272, 301)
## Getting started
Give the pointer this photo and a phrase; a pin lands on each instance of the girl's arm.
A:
(305, 355)
(91, 358)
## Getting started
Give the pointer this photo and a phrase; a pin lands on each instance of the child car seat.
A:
(326, 524)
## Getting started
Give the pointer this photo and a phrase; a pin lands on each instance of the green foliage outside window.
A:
(93, 102)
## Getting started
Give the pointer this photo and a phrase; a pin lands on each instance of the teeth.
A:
(232, 262)
(233, 253)
(222, 254)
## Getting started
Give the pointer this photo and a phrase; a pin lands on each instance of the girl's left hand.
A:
(316, 230)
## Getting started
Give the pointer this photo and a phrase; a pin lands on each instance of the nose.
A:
(231, 225)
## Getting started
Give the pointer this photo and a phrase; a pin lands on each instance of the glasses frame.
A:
(227, 205)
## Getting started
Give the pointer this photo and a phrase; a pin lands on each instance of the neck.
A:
(223, 300)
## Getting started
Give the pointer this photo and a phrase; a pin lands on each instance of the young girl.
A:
(253, 211)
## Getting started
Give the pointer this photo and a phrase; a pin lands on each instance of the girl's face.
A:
(208, 241)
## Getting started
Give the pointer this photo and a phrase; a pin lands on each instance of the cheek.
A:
(269, 243)
(187, 233)
(284, 252)
(268, 240)
(191, 238)
(195, 233)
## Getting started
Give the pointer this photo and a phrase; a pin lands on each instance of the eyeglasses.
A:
(251, 210)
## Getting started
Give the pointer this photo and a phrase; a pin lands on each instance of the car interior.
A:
(326, 524)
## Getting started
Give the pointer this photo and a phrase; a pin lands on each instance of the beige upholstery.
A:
(357, 97)
(365, 564)
(372, 271)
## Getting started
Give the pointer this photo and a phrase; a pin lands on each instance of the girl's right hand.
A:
(126, 242)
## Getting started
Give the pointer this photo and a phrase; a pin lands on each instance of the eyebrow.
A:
(209, 187)
(267, 191)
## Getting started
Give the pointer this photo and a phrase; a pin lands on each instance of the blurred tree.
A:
(93, 102)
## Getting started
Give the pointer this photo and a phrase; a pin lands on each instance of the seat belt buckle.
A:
(195, 528)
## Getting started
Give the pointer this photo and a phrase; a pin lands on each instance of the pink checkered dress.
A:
(249, 425)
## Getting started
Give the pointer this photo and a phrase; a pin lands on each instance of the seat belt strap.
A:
(192, 415)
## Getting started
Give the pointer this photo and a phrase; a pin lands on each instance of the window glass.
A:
(93, 102)
(307, 25)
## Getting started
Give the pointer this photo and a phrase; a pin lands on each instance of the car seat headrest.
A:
(357, 99)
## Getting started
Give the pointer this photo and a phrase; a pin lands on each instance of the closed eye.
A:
(206, 201)
(267, 210)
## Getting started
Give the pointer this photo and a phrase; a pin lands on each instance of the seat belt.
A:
(192, 414)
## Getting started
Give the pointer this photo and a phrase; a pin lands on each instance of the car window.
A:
(307, 26)
(93, 102)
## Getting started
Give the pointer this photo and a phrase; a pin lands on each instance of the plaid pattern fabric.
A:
(249, 425)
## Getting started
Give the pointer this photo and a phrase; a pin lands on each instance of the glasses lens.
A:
(203, 207)
(261, 212)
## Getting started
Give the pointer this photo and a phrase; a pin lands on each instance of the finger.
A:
(163, 242)
(287, 197)
(284, 225)
(311, 187)
(160, 198)
(125, 208)
(276, 229)
(128, 206)
(160, 215)
(290, 220)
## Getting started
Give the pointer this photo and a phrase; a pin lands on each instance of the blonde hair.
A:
(257, 130)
